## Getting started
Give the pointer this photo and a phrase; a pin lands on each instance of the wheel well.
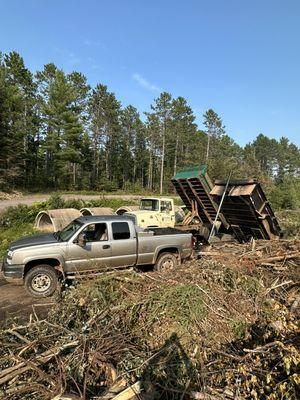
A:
(173, 250)
(53, 262)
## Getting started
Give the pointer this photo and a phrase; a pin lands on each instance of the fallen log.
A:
(279, 258)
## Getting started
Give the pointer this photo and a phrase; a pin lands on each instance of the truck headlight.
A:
(10, 254)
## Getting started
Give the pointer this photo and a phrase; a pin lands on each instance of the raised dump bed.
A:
(193, 185)
(247, 210)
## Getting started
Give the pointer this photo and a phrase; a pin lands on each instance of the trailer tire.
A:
(166, 262)
(41, 281)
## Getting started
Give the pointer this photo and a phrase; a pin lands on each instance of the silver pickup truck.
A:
(90, 245)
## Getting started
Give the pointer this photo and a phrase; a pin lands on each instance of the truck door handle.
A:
(106, 246)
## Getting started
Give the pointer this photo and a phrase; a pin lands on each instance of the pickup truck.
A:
(91, 244)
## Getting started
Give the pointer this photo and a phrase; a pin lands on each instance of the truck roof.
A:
(103, 218)
(157, 198)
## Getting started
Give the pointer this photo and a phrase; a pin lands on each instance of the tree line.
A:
(57, 132)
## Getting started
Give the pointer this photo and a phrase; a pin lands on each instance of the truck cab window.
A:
(95, 233)
(120, 230)
(149, 204)
(165, 206)
(66, 233)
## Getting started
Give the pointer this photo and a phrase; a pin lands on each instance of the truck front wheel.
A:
(41, 281)
(166, 262)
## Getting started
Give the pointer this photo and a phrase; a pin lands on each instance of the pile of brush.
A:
(213, 329)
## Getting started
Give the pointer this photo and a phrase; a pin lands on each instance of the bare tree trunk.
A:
(207, 148)
(134, 169)
(162, 162)
(25, 144)
(150, 169)
(175, 155)
(74, 175)
(107, 171)
(96, 160)
(142, 176)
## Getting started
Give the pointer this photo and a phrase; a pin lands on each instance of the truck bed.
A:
(165, 231)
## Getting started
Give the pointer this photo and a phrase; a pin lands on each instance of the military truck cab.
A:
(156, 212)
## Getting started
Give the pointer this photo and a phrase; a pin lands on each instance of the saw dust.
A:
(224, 326)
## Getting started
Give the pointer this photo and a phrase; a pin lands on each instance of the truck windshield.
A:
(68, 231)
(149, 204)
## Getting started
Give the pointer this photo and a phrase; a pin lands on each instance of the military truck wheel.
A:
(166, 262)
(41, 281)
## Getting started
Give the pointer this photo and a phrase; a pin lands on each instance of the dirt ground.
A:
(30, 199)
(15, 302)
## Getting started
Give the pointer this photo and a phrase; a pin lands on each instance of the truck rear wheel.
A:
(166, 262)
(41, 281)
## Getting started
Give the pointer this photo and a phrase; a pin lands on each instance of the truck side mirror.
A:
(81, 240)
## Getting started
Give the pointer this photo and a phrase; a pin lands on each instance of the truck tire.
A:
(166, 262)
(41, 281)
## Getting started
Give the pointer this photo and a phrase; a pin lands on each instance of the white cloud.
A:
(68, 56)
(145, 83)
(74, 60)
(92, 63)
(93, 43)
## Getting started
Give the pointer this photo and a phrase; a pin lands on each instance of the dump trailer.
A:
(246, 209)
(193, 185)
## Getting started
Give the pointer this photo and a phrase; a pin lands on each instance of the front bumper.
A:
(13, 272)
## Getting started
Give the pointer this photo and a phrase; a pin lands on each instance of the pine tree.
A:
(132, 145)
(161, 109)
(184, 131)
(214, 129)
(20, 121)
(104, 112)
(63, 126)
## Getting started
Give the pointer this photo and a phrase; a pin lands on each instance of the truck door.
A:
(123, 244)
(96, 252)
(167, 214)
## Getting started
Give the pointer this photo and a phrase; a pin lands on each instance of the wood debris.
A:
(225, 326)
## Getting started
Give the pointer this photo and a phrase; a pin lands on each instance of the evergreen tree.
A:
(19, 121)
(132, 149)
(104, 111)
(214, 130)
(184, 133)
(161, 110)
(63, 127)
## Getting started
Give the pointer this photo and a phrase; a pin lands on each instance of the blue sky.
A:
(241, 58)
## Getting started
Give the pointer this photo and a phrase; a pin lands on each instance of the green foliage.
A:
(15, 232)
(229, 279)
(239, 328)
(289, 221)
(56, 201)
(20, 214)
(286, 195)
(250, 285)
(180, 304)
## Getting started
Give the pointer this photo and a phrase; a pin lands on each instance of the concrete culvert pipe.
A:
(97, 211)
(124, 209)
(55, 220)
